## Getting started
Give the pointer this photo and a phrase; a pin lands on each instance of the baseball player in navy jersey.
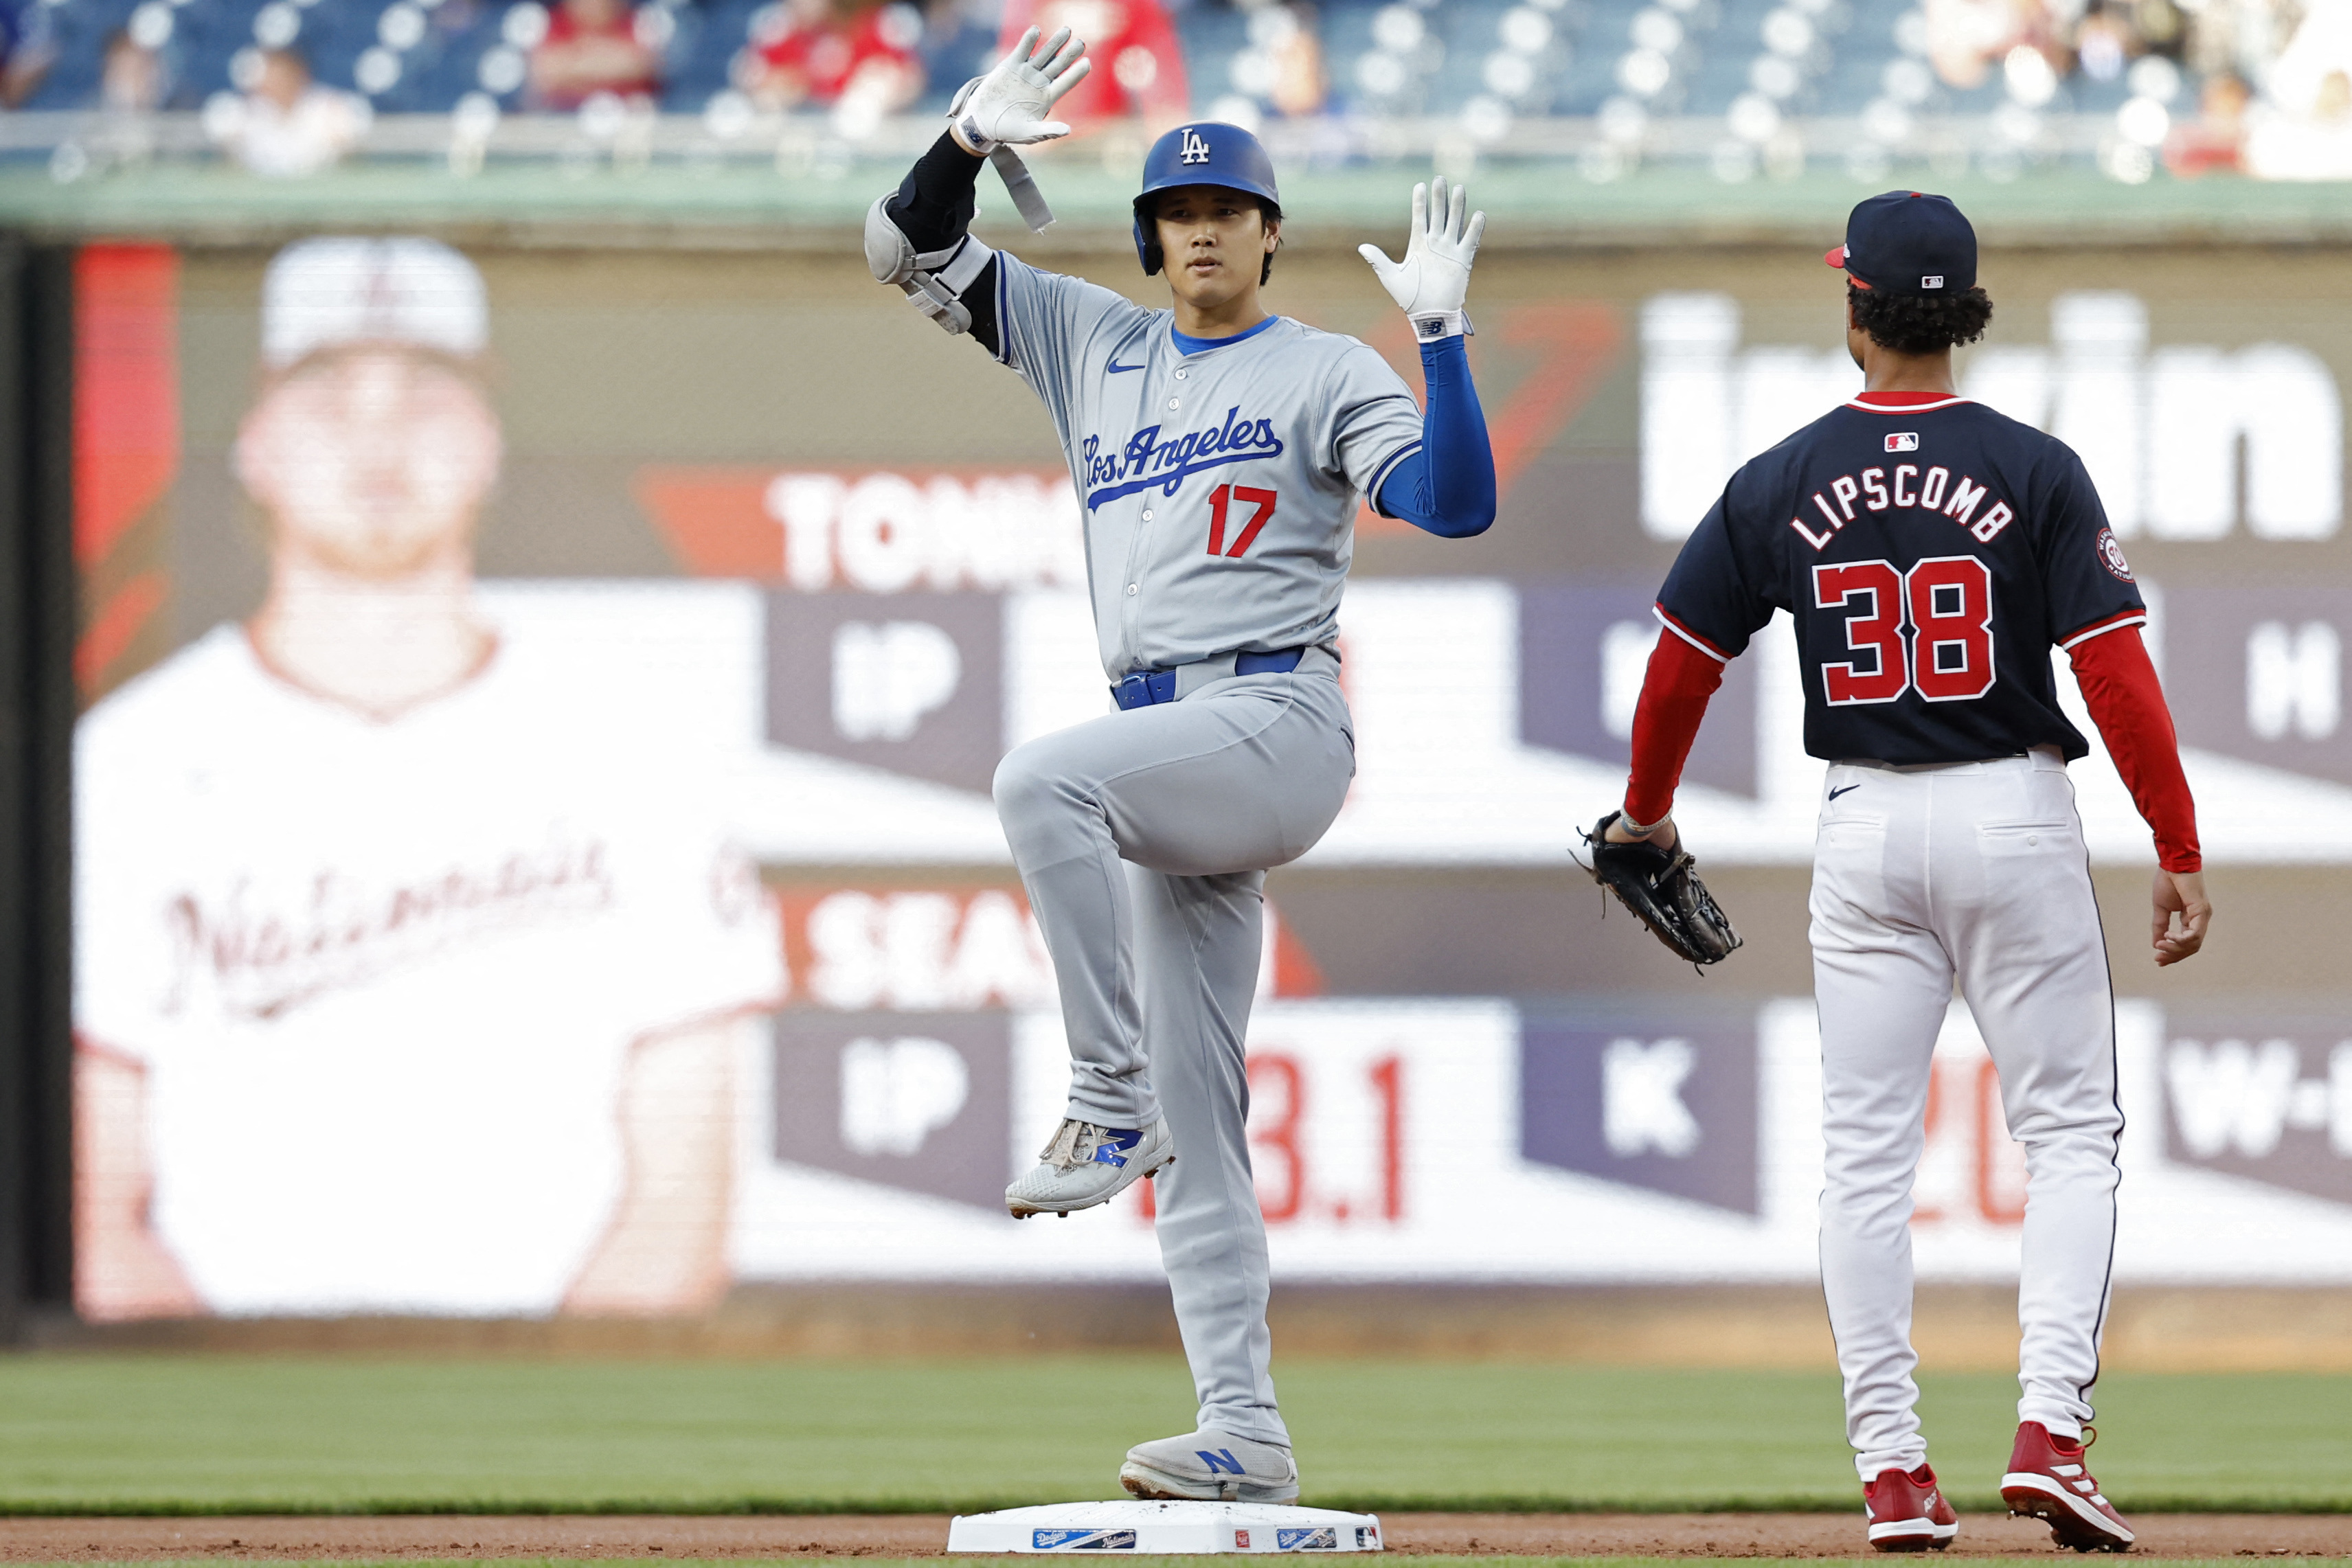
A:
(1931, 553)
(1220, 452)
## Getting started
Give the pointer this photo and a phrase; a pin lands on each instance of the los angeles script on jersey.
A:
(1908, 488)
(1146, 460)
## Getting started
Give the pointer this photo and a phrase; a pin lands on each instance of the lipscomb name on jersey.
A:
(1147, 461)
(1908, 488)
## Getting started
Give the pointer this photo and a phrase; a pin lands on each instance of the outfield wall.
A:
(671, 944)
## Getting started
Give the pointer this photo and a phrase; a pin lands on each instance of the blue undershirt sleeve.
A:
(1448, 485)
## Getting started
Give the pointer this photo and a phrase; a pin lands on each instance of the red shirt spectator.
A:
(1138, 65)
(592, 47)
(829, 46)
(2214, 142)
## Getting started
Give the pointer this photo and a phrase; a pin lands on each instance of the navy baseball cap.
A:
(1907, 242)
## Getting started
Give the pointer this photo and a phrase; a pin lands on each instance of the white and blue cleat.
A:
(1086, 1164)
(1210, 1467)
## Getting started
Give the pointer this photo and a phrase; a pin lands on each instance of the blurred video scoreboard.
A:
(699, 855)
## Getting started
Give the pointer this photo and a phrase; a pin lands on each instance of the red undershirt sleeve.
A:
(2120, 688)
(1675, 694)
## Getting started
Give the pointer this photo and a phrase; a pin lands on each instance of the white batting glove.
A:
(1008, 106)
(1434, 280)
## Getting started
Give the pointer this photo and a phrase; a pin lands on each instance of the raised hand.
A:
(1433, 281)
(1008, 106)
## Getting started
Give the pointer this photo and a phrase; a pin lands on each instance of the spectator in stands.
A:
(1138, 65)
(1967, 38)
(289, 125)
(2104, 41)
(852, 54)
(2303, 128)
(131, 78)
(2214, 142)
(1294, 47)
(959, 44)
(2313, 144)
(2239, 36)
(30, 42)
(592, 47)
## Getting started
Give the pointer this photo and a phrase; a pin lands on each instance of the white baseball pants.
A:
(1143, 839)
(1976, 872)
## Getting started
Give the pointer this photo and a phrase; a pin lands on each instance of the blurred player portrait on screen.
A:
(413, 960)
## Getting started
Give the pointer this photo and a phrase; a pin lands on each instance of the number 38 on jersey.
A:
(1927, 629)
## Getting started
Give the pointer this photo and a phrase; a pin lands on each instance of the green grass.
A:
(158, 1434)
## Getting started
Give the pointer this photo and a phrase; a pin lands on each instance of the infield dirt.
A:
(925, 1535)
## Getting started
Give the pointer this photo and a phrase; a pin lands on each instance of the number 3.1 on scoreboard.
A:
(1295, 1136)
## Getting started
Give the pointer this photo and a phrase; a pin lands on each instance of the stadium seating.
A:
(1746, 67)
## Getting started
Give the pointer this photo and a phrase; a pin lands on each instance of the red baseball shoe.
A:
(1907, 1512)
(2048, 1479)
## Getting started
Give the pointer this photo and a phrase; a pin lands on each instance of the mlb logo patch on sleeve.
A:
(1903, 441)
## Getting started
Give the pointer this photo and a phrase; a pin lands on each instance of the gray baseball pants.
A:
(1157, 960)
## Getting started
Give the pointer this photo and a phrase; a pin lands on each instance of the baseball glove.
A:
(1662, 890)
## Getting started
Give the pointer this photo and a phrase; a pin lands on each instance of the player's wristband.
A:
(970, 139)
(965, 128)
(1428, 326)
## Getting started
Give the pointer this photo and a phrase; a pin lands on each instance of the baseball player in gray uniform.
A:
(1220, 452)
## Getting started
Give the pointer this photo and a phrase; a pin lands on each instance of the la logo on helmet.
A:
(1195, 150)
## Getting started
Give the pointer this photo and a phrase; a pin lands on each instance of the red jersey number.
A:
(1944, 600)
(1221, 500)
(1951, 609)
(1872, 588)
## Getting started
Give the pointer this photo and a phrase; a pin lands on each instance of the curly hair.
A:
(1918, 323)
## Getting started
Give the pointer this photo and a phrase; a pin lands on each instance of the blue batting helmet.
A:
(1210, 153)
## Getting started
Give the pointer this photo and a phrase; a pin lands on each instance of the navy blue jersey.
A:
(1930, 555)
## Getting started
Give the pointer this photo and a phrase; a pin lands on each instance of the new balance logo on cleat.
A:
(1211, 1467)
(1112, 1150)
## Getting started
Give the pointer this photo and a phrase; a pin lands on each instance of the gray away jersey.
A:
(1219, 487)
